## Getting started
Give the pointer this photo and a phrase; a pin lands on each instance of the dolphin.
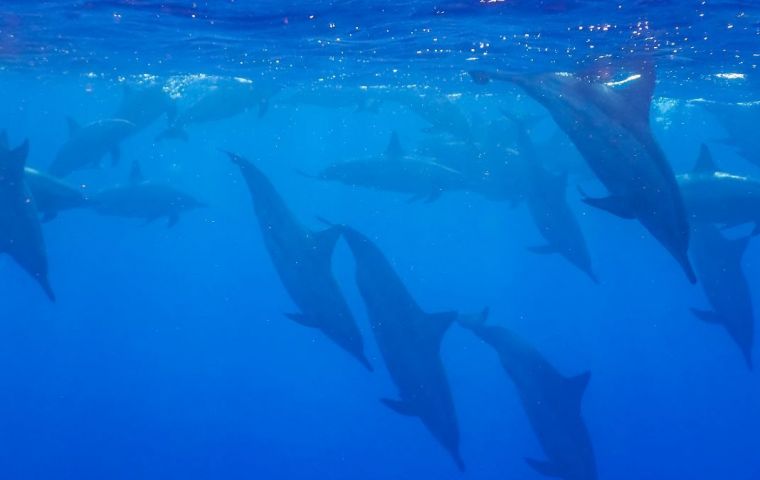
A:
(409, 340)
(88, 144)
(302, 259)
(142, 198)
(52, 195)
(610, 127)
(443, 115)
(718, 263)
(552, 403)
(548, 206)
(357, 99)
(718, 197)
(220, 102)
(740, 123)
(398, 172)
(143, 104)
(20, 231)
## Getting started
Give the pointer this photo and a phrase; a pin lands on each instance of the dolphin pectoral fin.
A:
(707, 316)
(618, 206)
(115, 155)
(547, 469)
(705, 162)
(542, 249)
(305, 320)
(173, 219)
(399, 407)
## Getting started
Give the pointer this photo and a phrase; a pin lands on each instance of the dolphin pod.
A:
(551, 401)
(302, 259)
(20, 231)
(621, 150)
(409, 340)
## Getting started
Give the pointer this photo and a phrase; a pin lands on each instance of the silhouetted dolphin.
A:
(20, 231)
(610, 127)
(142, 105)
(52, 195)
(718, 197)
(409, 340)
(87, 145)
(443, 115)
(302, 259)
(551, 401)
(360, 100)
(220, 102)
(740, 122)
(548, 206)
(145, 199)
(718, 263)
(422, 178)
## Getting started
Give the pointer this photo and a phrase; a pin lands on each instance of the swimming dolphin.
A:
(610, 127)
(359, 100)
(409, 340)
(52, 195)
(552, 403)
(718, 263)
(548, 206)
(145, 199)
(740, 123)
(302, 259)
(717, 197)
(88, 144)
(143, 104)
(20, 232)
(220, 102)
(395, 171)
(443, 115)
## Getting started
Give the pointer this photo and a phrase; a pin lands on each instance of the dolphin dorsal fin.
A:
(436, 325)
(705, 162)
(73, 125)
(577, 386)
(16, 158)
(135, 174)
(394, 150)
(638, 92)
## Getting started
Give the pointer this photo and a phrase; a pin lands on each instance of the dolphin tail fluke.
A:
(365, 362)
(688, 269)
(458, 460)
(544, 468)
(174, 132)
(592, 275)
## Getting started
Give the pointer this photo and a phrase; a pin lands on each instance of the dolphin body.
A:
(397, 172)
(740, 123)
(145, 199)
(409, 340)
(717, 197)
(52, 195)
(552, 403)
(718, 263)
(443, 115)
(302, 259)
(20, 231)
(88, 144)
(549, 209)
(221, 102)
(143, 105)
(610, 127)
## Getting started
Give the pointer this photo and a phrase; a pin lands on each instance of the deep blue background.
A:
(167, 354)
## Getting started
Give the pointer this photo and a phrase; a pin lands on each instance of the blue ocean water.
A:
(167, 353)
